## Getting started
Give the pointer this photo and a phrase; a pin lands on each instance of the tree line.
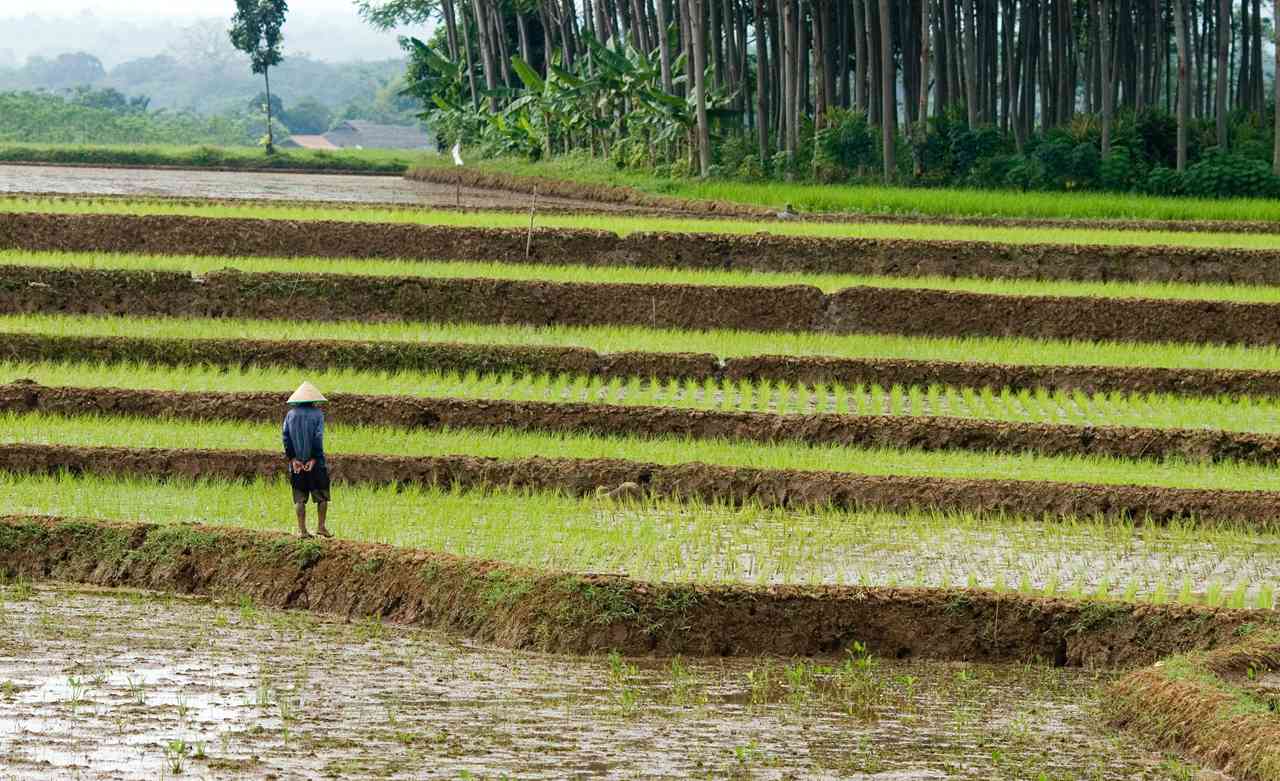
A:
(807, 81)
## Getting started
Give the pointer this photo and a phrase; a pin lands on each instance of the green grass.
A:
(624, 225)
(876, 199)
(713, 543)
(387, 161)
(828, 283)
(1232, 413)
(723, 343)
(102, 431)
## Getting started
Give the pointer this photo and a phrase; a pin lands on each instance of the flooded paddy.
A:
(98, 684)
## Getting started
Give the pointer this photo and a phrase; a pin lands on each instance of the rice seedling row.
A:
(859, 310)
(1240, 413)
(623, 478)
(624, 225)
(1224, 565)
(108, 431)
(827, 283)
(726, 344)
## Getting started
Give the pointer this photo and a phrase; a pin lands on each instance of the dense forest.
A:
(1165, 96)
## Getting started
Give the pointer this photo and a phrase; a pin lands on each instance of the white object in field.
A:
(457, 153)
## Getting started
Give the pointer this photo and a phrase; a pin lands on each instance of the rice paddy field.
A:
(576, 541)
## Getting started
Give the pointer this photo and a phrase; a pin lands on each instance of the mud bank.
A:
(421, 299)
(1219, 707)
(522, 361)
(187, 235)
(914, 312)
(686, 481)
(561, 612)
(863, 431)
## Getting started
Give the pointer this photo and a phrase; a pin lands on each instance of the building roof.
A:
(309, 142)
(371, 135)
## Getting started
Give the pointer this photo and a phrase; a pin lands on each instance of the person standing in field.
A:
(304, 448)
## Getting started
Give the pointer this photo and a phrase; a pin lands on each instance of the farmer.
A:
(304, 448)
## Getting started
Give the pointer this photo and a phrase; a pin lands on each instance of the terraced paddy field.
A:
(757, 500)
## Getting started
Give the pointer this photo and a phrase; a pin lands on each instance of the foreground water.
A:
(99, 684)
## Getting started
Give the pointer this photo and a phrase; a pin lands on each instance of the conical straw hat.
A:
(306, 392)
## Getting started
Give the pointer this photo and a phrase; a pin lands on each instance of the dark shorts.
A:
(313, 484)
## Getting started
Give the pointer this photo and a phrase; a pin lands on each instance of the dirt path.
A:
(268, 186)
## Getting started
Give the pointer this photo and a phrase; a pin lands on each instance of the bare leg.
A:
(322, 510)
(301, 507)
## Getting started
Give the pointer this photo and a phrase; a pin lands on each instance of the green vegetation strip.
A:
(96, 431)
(693, 542)
(1146, 410)
(381, 161)
(873, 199)
(723, 343)
(1221, 716)
(623, 225)
(828, 283)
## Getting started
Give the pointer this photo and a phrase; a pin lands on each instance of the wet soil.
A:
(865, 431)
(914, 312)
(187, 235)
(289, 186)
(526, 608)
(98, 684)
(421, 299)
(522, 361)
(686, 481)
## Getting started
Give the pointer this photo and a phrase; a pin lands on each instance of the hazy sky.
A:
(167, 8)
(116, 30)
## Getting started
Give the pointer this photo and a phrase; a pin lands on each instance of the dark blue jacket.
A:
(304, 434)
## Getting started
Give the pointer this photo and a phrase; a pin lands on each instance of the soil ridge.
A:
(906, 432)
(908, 312)
(681, 482)
(575, 613)
(235, 236)
(530, 360)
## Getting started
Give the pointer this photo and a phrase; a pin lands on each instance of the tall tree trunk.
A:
(664, 47)
(1243, 88)
(486, 51)
(1258, 95)
(271, 139)
(1224, 47)
(970, 63)
(1011, 77)
(522, 30)
(1184, 81)
(471, 68)
(1275, 152)
(1108, 74)
(762, 83)
(922, 115)
(450, 28)
(860, 54)
(888, 91)
(698, 31)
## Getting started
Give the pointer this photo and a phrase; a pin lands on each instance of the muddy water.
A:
(131, 685)
(257, 185)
